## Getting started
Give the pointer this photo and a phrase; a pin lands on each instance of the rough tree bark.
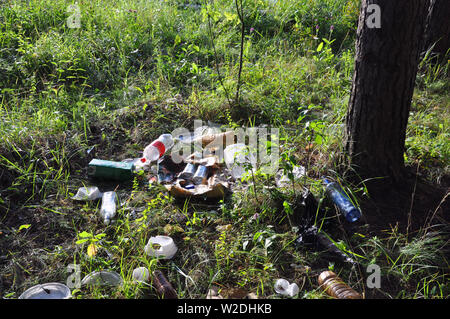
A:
(437, 30)
(385, 70)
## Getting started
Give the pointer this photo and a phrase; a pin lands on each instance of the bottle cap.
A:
(353, 215)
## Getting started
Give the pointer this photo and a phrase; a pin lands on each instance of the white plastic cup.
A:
(166, 250)
(141, 274)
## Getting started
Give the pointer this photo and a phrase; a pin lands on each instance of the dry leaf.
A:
(234, 293)
(172, 229)
(222, 228)
(92, 250)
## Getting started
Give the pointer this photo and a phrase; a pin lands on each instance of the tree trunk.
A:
(437, 30)
(383, 84)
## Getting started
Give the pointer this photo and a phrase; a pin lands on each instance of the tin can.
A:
(200, 175)
(188, 171)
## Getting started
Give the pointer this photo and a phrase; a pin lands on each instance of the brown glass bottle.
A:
(335, 287)
(163, 286)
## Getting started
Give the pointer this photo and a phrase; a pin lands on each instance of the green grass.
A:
(136, 69)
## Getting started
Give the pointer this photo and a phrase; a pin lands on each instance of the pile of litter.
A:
(213, 164)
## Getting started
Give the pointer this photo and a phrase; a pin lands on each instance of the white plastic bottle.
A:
(157, 148)
(108, 209)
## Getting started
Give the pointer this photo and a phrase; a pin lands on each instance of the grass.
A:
(137, 69)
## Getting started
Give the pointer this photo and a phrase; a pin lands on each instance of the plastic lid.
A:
(107, 278)
(52, 290)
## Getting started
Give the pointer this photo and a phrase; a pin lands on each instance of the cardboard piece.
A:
(214, 140)
(215, 188)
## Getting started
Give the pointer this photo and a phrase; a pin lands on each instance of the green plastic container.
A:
(109, 170)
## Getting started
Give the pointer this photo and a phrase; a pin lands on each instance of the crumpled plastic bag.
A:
(88, 193)
(318, 240)
(283, 287)
(282, 180)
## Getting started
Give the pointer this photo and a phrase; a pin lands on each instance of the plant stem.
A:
(215, 56)
(240, 13)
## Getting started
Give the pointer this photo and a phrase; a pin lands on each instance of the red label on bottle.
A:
(160, 146)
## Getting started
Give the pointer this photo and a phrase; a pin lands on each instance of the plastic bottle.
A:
(335, 287)
(163, 286)
(156, 149)
(341, 200)
(108, 208)
(141, 275)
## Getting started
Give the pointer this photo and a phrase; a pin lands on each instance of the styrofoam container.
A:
(51, 290)
(166, 250)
